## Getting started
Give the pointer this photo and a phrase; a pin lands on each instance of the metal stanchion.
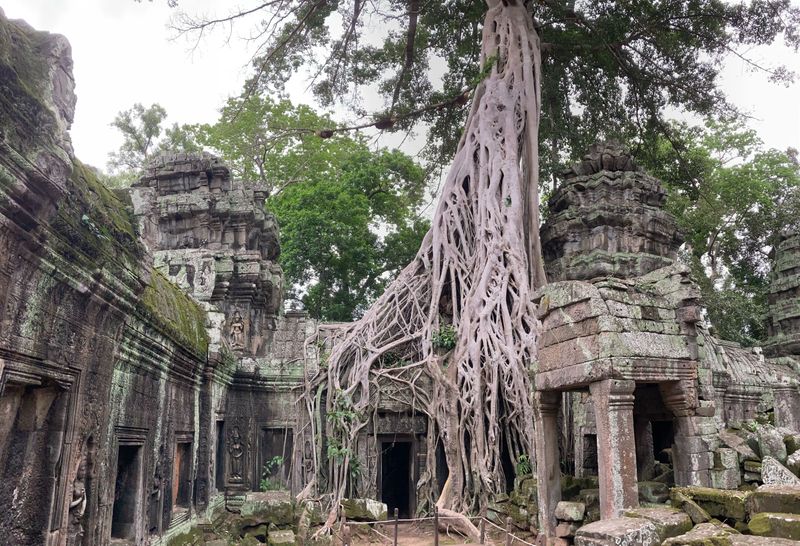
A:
(435, 525)
(396, 514)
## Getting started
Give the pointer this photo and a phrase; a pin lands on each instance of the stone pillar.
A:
(616, 447)
(787, 407)
(548, 469)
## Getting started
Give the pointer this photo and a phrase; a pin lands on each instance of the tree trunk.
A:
(475, 273)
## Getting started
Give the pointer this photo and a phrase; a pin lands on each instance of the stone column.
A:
(787, 407)
(616, 447)
(548, 470)
(645, 458)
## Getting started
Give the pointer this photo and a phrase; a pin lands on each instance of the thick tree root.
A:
(473, 276)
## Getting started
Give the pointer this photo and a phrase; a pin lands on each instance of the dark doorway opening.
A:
(182, 483)
(442, 472)
(126, 493)
(663, 436)
(509, 470)
(219, 472)
(589, 462)
(396, 477)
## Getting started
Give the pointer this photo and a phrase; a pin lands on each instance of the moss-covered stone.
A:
(192, 537)
(719, 503)
(179, 314)
(669, 522)
(778, 525)
(775, 498)
(270, 507)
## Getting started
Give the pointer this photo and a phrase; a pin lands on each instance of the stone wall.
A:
(108, 386)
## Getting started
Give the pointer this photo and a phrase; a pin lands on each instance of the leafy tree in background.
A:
(347, 214)
(142, 138)
(732, 198)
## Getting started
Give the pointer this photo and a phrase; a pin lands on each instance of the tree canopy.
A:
(609, 69)
(732, 199)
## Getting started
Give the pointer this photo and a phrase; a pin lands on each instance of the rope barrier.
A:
(513, 538)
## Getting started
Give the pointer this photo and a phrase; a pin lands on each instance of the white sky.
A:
(123, 54)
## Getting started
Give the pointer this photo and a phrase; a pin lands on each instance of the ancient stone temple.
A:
(623, 337)
(151, 379)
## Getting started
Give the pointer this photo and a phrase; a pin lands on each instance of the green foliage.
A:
(269, 481)
(732, 198)
(347, 213)
(609, 68)
(523, 465)
(444, 338)
(140, 128)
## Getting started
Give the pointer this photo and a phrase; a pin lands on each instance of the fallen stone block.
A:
(691, 508)
(364, 509)
(726, 458)
(793, 463)
(719, 503)
(775, 498)
(655, 492)
(274, 507)
(738, 444)
(729, 478)
(618, 532)
(774, 473)
(570, 511)
(566, 529)
(705, 534)
(281, 538)
(669, 522)
(772, 524)
(770, 443)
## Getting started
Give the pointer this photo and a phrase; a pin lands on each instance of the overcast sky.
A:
(124, 54)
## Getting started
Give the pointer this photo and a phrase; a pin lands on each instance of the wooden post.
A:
(508, 531)
(435, 525)
(483, 531)
(396, 514)
(346, 535)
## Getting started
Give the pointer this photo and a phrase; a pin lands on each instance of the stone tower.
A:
(607, 219)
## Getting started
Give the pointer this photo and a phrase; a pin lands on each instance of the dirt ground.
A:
(416, 534)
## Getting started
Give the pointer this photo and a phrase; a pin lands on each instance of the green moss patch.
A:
(177, 313)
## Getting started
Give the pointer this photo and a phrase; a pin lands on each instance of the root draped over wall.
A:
(473, 279)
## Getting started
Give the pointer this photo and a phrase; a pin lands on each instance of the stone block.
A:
(739, 444)
(364, 510)
(726, 458)
(774, 473)
(655, 492)
(770, 443)
(726, 479)
(717, 502)
(566, 529)
(274, 507)
(793, 463)
(281, 538)
(705, 534)
(775, 498)
(570, 511)
(752, 466)
(792, 443)
(623, 531)
(691, 508)
(772, 524)
(669, 522)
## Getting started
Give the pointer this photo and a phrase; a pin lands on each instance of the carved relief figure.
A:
(205, 271)
(77, 505)
(236, 331)
(236, 451)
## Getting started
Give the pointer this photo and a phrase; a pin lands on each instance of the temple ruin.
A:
(151, 375)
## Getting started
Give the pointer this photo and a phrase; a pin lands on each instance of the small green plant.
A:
(523, 465)
(268, 481)
(444, 338)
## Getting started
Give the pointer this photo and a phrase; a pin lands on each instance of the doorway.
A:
(126, 492)
(396, 484)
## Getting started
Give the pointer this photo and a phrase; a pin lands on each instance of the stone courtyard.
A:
(151, 373)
